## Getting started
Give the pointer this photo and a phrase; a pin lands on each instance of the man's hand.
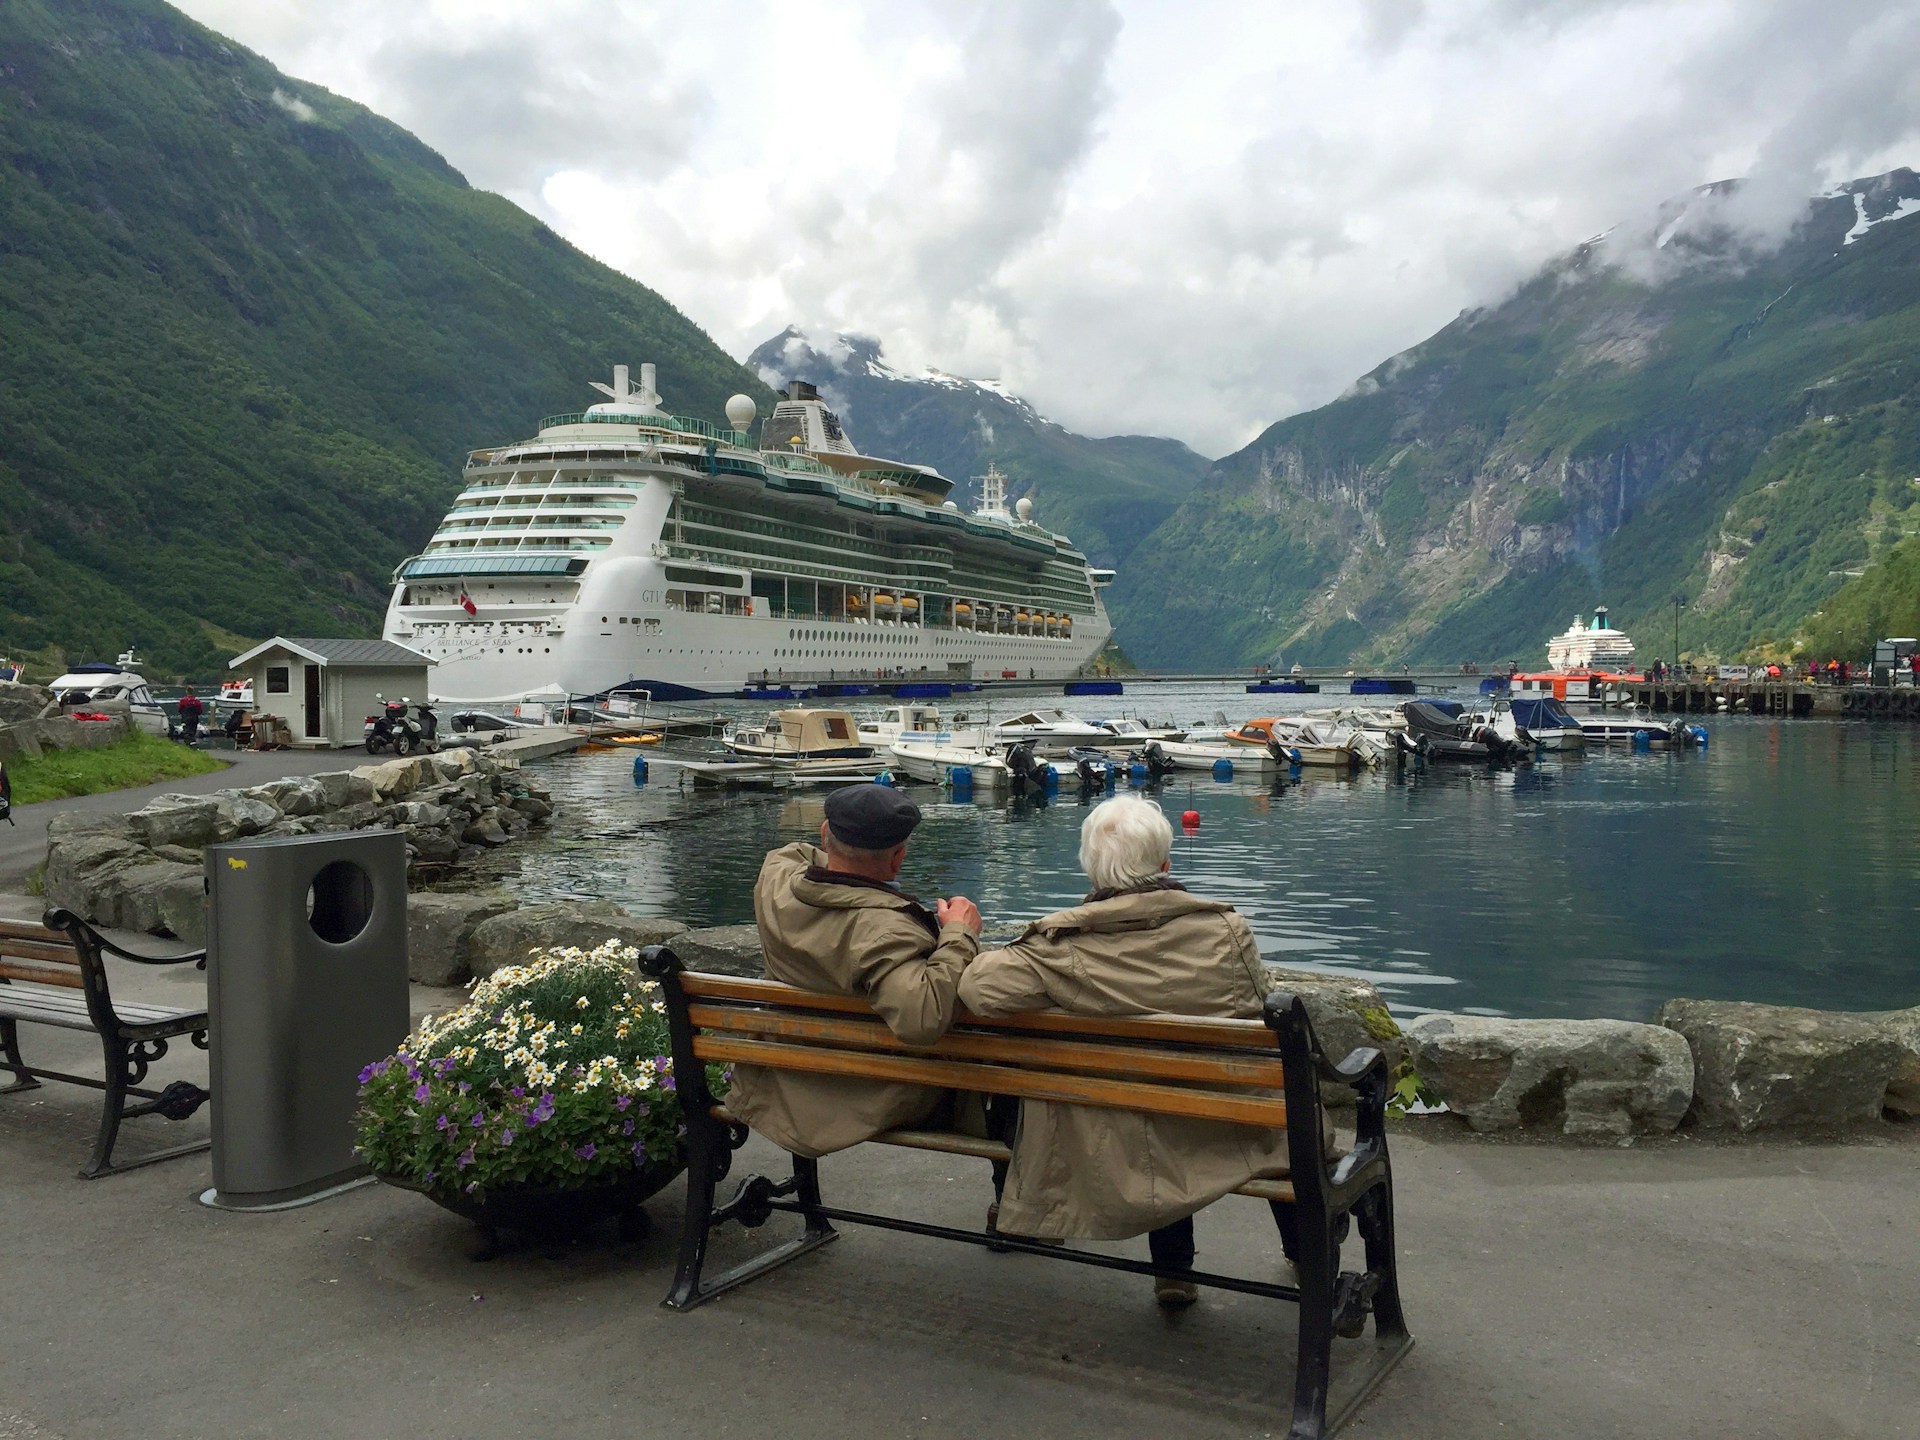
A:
(958, 911)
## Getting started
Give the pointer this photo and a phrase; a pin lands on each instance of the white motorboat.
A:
(898, 720)
(799, 735)
(932, 759)
(1049, 729)
(1540, 720)
(1129, 733)
(111, 688)
(1202, 754)
(1309, 740)
(1626, 729)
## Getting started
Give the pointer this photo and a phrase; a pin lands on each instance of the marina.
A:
(1773, 865)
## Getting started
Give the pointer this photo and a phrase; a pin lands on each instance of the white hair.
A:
(1124, 842)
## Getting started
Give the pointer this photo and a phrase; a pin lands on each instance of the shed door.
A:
(313, 703)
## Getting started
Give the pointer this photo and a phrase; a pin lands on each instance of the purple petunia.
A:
(543, 1110)
(621, 1102)
(627, 1129)
(518, 1091)
(465, 1087)
(466, 1159)
(421, 1092)
(428, 1177)
(506, 1137)
(443, 1123)
(367, 1074)
(441, 1067)
(586, 1151)
(666, 1083)
(479, 1119)
(639, 1150)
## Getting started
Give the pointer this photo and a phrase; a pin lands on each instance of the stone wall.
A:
(145, 870)
(1704, 1063)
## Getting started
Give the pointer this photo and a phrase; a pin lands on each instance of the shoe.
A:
(993, 1229)
(1174, 1293)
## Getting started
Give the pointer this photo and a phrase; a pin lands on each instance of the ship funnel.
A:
(648, 393)
(620, 373)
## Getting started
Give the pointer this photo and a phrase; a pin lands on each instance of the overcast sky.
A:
(1178, 217)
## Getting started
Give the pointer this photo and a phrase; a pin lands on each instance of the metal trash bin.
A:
(306, 985)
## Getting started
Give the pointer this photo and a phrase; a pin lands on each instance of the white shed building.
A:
(325, 689)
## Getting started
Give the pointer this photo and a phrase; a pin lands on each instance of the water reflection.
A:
(1780, 865)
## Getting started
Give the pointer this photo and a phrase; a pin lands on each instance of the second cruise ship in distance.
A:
(626, 548)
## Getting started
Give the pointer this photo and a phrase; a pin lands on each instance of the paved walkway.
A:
(1681, 1289)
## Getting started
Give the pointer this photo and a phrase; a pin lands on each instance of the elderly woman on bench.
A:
(1139, 944)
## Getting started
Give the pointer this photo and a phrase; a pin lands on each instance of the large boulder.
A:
(440, 933)
(159, 897)
(22, 702)
(196, 821)
(1348, 1014)
(1903, 1088)
(79, 865)
(722, 949)
(1758, 1066)
(507, 939)
(341, 788)
(1577, 1077)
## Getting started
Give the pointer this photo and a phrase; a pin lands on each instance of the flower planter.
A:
(552, 1212)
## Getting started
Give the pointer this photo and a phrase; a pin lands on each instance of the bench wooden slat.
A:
(1154, 1098)
(43, 1005)
(1126, 1061)
(68, 976)
(1169, 1029)
(53, 950)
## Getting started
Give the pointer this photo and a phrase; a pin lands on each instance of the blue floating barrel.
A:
(639, 769)
(1642, 740)
(1293, 756)
(1700, 736)
(1111, 773)
(1137, 772)
(885, 777)
(960, 777)
(1223, 769)
(1049, 779)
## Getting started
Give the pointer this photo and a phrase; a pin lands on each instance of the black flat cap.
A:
(871, 817)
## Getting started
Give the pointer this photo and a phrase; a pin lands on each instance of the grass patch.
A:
(138, 760)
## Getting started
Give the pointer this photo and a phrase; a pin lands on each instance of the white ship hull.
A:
(620, 550)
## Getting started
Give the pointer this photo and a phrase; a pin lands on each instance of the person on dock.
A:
(190, 711)
(1139, 944)
(834, 919)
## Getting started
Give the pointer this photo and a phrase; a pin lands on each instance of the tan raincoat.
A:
(1084, 1172)
(847, 936)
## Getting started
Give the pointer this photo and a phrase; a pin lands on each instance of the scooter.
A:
(392, 730)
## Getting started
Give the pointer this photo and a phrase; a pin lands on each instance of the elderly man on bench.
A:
(1139, 944)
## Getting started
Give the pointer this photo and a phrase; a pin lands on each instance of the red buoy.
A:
(1190, 820)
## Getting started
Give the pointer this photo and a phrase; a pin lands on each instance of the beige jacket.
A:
(1084, 1172)
(847, 936)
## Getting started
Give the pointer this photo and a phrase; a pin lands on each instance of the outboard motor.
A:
(1092, 778)
(1025, 771)
(1158, 761)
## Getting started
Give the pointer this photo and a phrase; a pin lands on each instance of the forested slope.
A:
(248, 331)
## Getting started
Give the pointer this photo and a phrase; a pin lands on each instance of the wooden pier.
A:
(1773, 697)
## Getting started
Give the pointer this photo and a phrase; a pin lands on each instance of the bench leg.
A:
(1313, 1375)
(10, 1050)
(1374, 1212)
(707, 1162)
(112, 1108)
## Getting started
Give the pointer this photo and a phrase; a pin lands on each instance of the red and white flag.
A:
(466, 604)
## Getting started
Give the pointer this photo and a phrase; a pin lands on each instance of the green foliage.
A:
(1542, 506)
(1410, 1092)
(248, 331)
(140, 759)
(1883, 601)
(557, 1072)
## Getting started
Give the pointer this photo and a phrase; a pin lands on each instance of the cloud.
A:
(294, 106)
(1184, 220)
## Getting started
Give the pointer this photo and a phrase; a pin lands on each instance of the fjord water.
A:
(1781, 864)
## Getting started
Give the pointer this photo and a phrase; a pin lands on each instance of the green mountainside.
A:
(248, 332)
(1105, 494)
(1659, 415)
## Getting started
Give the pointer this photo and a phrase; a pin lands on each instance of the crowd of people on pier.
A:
(834, 918)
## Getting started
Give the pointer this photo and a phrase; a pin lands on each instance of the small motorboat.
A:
(1628, 728)
(898, 720)
(111, 689)
(800, 735)
(1049, 729)
(1442, 731)
(1540, 720)
(1204, 754)
(933, 757)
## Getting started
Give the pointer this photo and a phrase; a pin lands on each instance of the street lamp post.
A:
(1678, 601)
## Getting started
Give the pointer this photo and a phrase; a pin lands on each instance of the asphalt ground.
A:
(1677, 1288)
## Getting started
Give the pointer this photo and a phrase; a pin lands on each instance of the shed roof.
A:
(341, 654)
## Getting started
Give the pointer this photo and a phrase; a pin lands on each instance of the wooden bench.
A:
(1248, 1072)
(41, 966)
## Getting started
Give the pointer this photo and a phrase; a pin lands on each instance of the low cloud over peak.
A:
(1189, 221)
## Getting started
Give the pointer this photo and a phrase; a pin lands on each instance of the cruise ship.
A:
(625, 548)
